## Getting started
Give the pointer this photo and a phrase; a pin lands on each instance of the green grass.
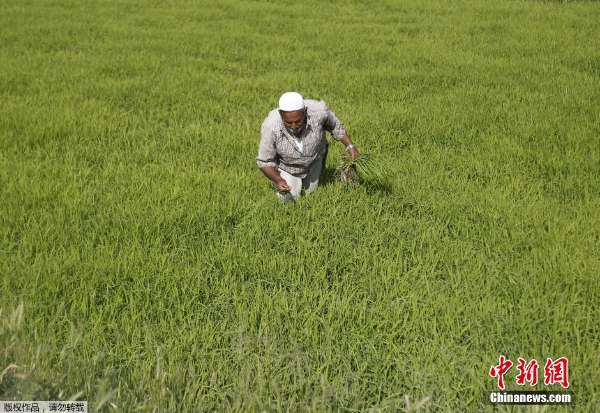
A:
(157, 271)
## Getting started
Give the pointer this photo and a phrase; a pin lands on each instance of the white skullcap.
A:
(291, 101)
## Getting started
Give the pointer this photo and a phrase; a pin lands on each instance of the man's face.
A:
(294, 121)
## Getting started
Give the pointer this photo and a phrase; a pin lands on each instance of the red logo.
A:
(500, 370)
(555, 372)
(528, 373)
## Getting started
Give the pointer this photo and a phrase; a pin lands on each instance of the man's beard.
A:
(296, 131)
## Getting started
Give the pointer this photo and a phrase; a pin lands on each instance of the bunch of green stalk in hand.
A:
(360, 170)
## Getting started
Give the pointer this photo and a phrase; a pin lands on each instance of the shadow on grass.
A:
(382, 188)
(329, 176)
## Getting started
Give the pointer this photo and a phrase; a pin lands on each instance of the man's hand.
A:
(350, 147)
(282, 186)
(280, 183)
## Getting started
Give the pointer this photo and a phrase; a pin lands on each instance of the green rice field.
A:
(146, 264)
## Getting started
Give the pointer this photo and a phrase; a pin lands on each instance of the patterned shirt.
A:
(278, 147)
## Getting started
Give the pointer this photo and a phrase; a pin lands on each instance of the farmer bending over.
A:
(293, 147)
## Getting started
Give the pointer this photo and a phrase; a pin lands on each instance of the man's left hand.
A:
(354, 153)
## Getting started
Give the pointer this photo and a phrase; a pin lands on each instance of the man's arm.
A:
(350, 146)
(267, 156)
(272, 173)
(338, 131)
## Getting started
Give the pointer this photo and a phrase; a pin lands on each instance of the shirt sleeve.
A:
(267, 153)
(334, 125)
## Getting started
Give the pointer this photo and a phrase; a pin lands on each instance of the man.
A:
(293, 147)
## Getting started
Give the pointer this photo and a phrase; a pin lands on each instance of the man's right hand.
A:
(282, 186)
(272, 173)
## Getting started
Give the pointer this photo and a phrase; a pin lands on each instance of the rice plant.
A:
(362, 170)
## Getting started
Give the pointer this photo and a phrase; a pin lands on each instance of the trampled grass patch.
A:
(146, 264)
